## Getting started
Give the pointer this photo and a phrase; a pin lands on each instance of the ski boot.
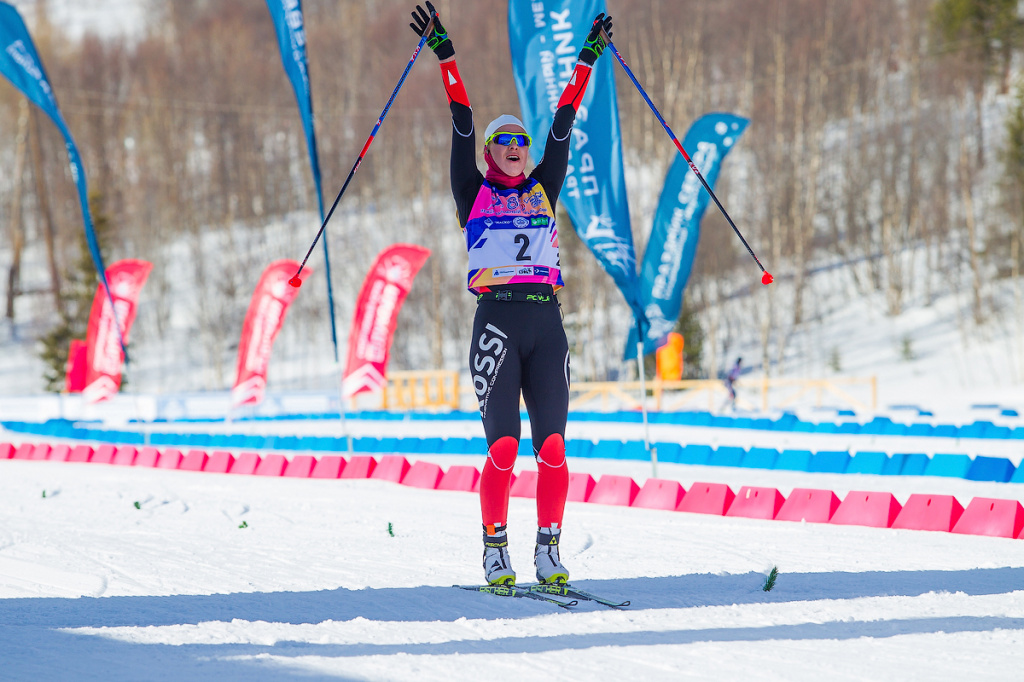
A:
(550, 570)
(497, 565)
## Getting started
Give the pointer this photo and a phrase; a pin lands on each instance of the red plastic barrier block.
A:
(6, 450)
(246, 463)
(59, 453)
(988, 516)
(146, 457)
(929, 512)
(360, 466)
(511, 483)
(125, 455)
(658, 493)
(426, 475)
(80, 453)
(459, 477)
(860, 508)
(580, 487)
(809, 504)
(41, 451)
(391, 468)
(329, 466)
(271, 465)
(195, 460)
(104, 454)
(707, 498)
(752, 502)
(24, 451)
(524, 485)
(169, 459)
(219, 462)
(617, 490)
(300, 466)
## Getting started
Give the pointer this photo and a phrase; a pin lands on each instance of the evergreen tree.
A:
(78, 290)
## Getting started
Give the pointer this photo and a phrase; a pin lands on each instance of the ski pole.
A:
(766, 277)
(295, 281)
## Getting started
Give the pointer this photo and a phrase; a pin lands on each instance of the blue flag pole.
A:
(20, 63)
(291, 39)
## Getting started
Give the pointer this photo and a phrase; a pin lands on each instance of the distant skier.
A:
(730, 380)
(518, 343)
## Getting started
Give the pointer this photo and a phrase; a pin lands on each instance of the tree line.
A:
(884, 137)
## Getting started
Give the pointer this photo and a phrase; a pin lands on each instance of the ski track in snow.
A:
(92, 588)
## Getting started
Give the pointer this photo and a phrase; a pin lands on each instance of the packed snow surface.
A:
(121, 573)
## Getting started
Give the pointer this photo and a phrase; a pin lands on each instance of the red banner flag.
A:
(373, 326)
(103, 355)
(74, 370)
(263, 320)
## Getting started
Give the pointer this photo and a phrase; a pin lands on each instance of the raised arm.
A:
(465, 177)
(550, 172)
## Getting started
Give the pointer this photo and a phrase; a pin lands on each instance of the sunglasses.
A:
(505, 139)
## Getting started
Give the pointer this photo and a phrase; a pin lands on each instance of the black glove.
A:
(437, 39)
(595, 44)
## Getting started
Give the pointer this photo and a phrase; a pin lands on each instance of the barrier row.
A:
(980, 468)
(788, 422)
(982, 516)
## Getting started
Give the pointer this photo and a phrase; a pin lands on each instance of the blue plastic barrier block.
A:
(742, 423)
(946, 431)
(455, 446)
(578, 448)
(606, 449)
(894, 465)
(634, 449)
(760, 458)
(868, 462)
(699, 419)
(668, 452)
(998, 432)
(429, 446)
(1018, 433)
(801, 426)
(830, 462)
(388, 445)
(405, 445)
(477, 446)
(920, 430)
(526, 447)
(876, 426)
(975, 430)
(1018, 476)
(720, 422)
(763, 424)
(914, 464)
(997, 469)
(1009, 413)
(793, 460)
(952, 466)
(155, 438)
(786, 422)
(695, 454)
(848, 427)
(726, 456)
(846, 413)
(827, 427)
(894, 429)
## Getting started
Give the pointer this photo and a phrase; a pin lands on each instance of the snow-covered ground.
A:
(93, 587)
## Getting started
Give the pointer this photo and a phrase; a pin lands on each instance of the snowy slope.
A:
(93, 588)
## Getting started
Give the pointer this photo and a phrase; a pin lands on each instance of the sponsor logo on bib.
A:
(504, 272)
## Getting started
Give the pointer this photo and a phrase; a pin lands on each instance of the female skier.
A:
(518, 343)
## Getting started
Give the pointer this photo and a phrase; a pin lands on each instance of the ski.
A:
(563, 590)
(516, 591)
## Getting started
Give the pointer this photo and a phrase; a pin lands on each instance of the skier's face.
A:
(510, 158)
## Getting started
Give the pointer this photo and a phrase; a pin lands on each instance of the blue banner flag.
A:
(21, 64)
(545, 38)
(668, 259)
(291, 39)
